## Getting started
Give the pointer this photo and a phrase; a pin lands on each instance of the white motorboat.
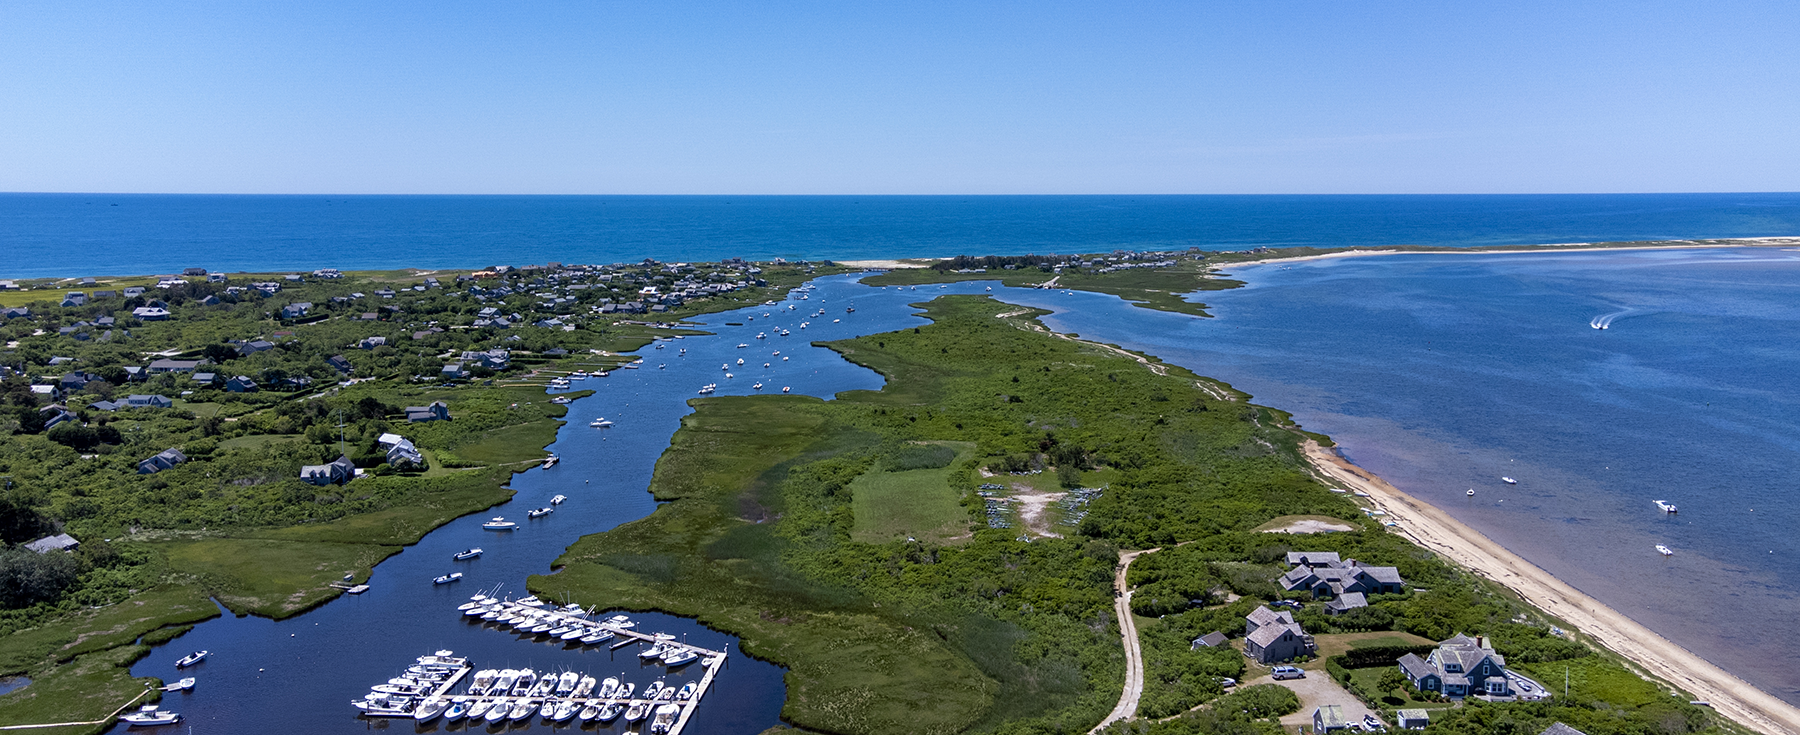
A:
(742, 345)
(545, 686)
(654, 651)
(625, 690)
(687, 691)
(566, 683)
(558, 499)
(480, 708)
(608, 688)
(784, 389)
(1664, 550)
(729, 375)
(192, 658)
(1509, 481)
(458, 709)
(1471, 492)
(574, 633)
(585, 687)
(758, 386)
(597, 636)
(678, 657)
(665, 718)
(637, 711)
(448, 578)
(740, 361)
(503, 683)
(600, 423)
(527, 678)
(180, 686)
(522, 710)
(497, 713)
(430, 709)
(483, 679)
(591, 712)
(565, 711)
(562, 400)
(760, 335)
(548, 710)
(539, 513)
(466, 555)
(1666, 506)
(610, 712)
(149, 716)
(621, 621)
(655, 688)
(499, 524)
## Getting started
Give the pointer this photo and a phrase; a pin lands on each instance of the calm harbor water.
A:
(66, 235)
(299, 675)
(1443, 373)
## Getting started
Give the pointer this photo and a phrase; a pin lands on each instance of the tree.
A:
(1391, 680)
(27, 578)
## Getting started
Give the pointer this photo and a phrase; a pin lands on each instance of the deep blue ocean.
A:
(123, 234)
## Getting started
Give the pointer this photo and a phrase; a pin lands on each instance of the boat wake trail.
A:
(1605, 321)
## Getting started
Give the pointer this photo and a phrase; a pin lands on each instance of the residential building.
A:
(1412, 719)
(166, 365)
(1345, 582)
(161, 461)
(59, 542)
(1561, 729)
(1329, 718)
(242, 384)
(338, 472)
(340, 364)
(1459, 667)
(437, 411)
(254, 346)
(150, 401)
(1275, 636)
(1210, 640)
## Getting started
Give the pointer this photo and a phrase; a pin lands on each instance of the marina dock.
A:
(429, 688)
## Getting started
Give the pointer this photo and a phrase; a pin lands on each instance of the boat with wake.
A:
(1666, 506)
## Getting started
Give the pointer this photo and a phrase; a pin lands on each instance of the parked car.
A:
(1227, 682)
(1288, 672)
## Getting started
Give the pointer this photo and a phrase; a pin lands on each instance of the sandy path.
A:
(1436, 530)
(1574, 247)
(1134, 655)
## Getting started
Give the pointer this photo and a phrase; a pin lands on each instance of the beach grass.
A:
(91, 630)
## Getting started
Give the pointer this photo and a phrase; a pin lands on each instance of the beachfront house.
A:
(1345, 582)
(400, 451)
(1459, 667)
(1274, 636)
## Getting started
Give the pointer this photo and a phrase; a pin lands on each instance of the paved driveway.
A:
(1314, 690)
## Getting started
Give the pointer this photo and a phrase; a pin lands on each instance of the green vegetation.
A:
(783, 522)
(918, 503)
(232, 519)
(86, 689)
(1253, 710)
(1160, 287)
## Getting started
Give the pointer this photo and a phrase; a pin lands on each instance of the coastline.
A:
(1435, 530)
(1574, 247)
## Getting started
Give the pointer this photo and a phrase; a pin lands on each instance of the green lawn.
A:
(87, 688)
(258, 441)
(271, 577)
(916, 503)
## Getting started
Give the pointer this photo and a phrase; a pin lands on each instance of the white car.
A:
(1288, 672)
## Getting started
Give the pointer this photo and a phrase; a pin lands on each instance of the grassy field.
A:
(114, 625)
(271, 577)
(88, 688)
(258, 441)
(916, 503)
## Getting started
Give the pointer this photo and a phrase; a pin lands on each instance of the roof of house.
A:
(53, 543)
(1348, 601)
(1269, 634)
(1412, 714)
(1415, 667)
(1264, 616)
(1212, 640)
(1561, 729)
(1330, 715)
(1312, 557)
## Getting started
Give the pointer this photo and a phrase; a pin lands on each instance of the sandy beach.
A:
(889, 264)
(1574, 247)
(1436, 530)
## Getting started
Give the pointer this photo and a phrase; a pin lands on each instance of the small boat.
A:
(585, 687)
(654, 651)
(458, 709)
(566, 683)
(1509, 481)
(637, 711)
(149, 716)
(678, 657)
(600, 423)
(784, 389)
(527, 678)
(592, 711)
(776, 353)
(850, 310)
(180, 686)
(598, 636)
(448, 578)
(430, 709)
(610, 712)
(548, 710)
(192, 658)
(357, 589)
(1666, 506)
(551, 461)
(480, 708)
(575, 632)
(742, 345)
(499, 524)
(729, 375)
(561, 400)
(687, 691)
(558, 499)
(504, 683)
(522, 710)
(601, 374)
(625, 690)
(608, 688)
(466, 555)
(654, 690)
(483, 679)
(621, 621)
(1471, 492)
(1664, 550)
(665, 718)
(498, 712)
(565, 711)
(740, 361)
(539, 513)
(758, 386)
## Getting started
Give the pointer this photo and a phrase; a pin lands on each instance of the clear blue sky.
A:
(900, 97)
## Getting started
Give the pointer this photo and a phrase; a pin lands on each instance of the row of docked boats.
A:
(425, 680)
(500, 695)
(532, 616)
